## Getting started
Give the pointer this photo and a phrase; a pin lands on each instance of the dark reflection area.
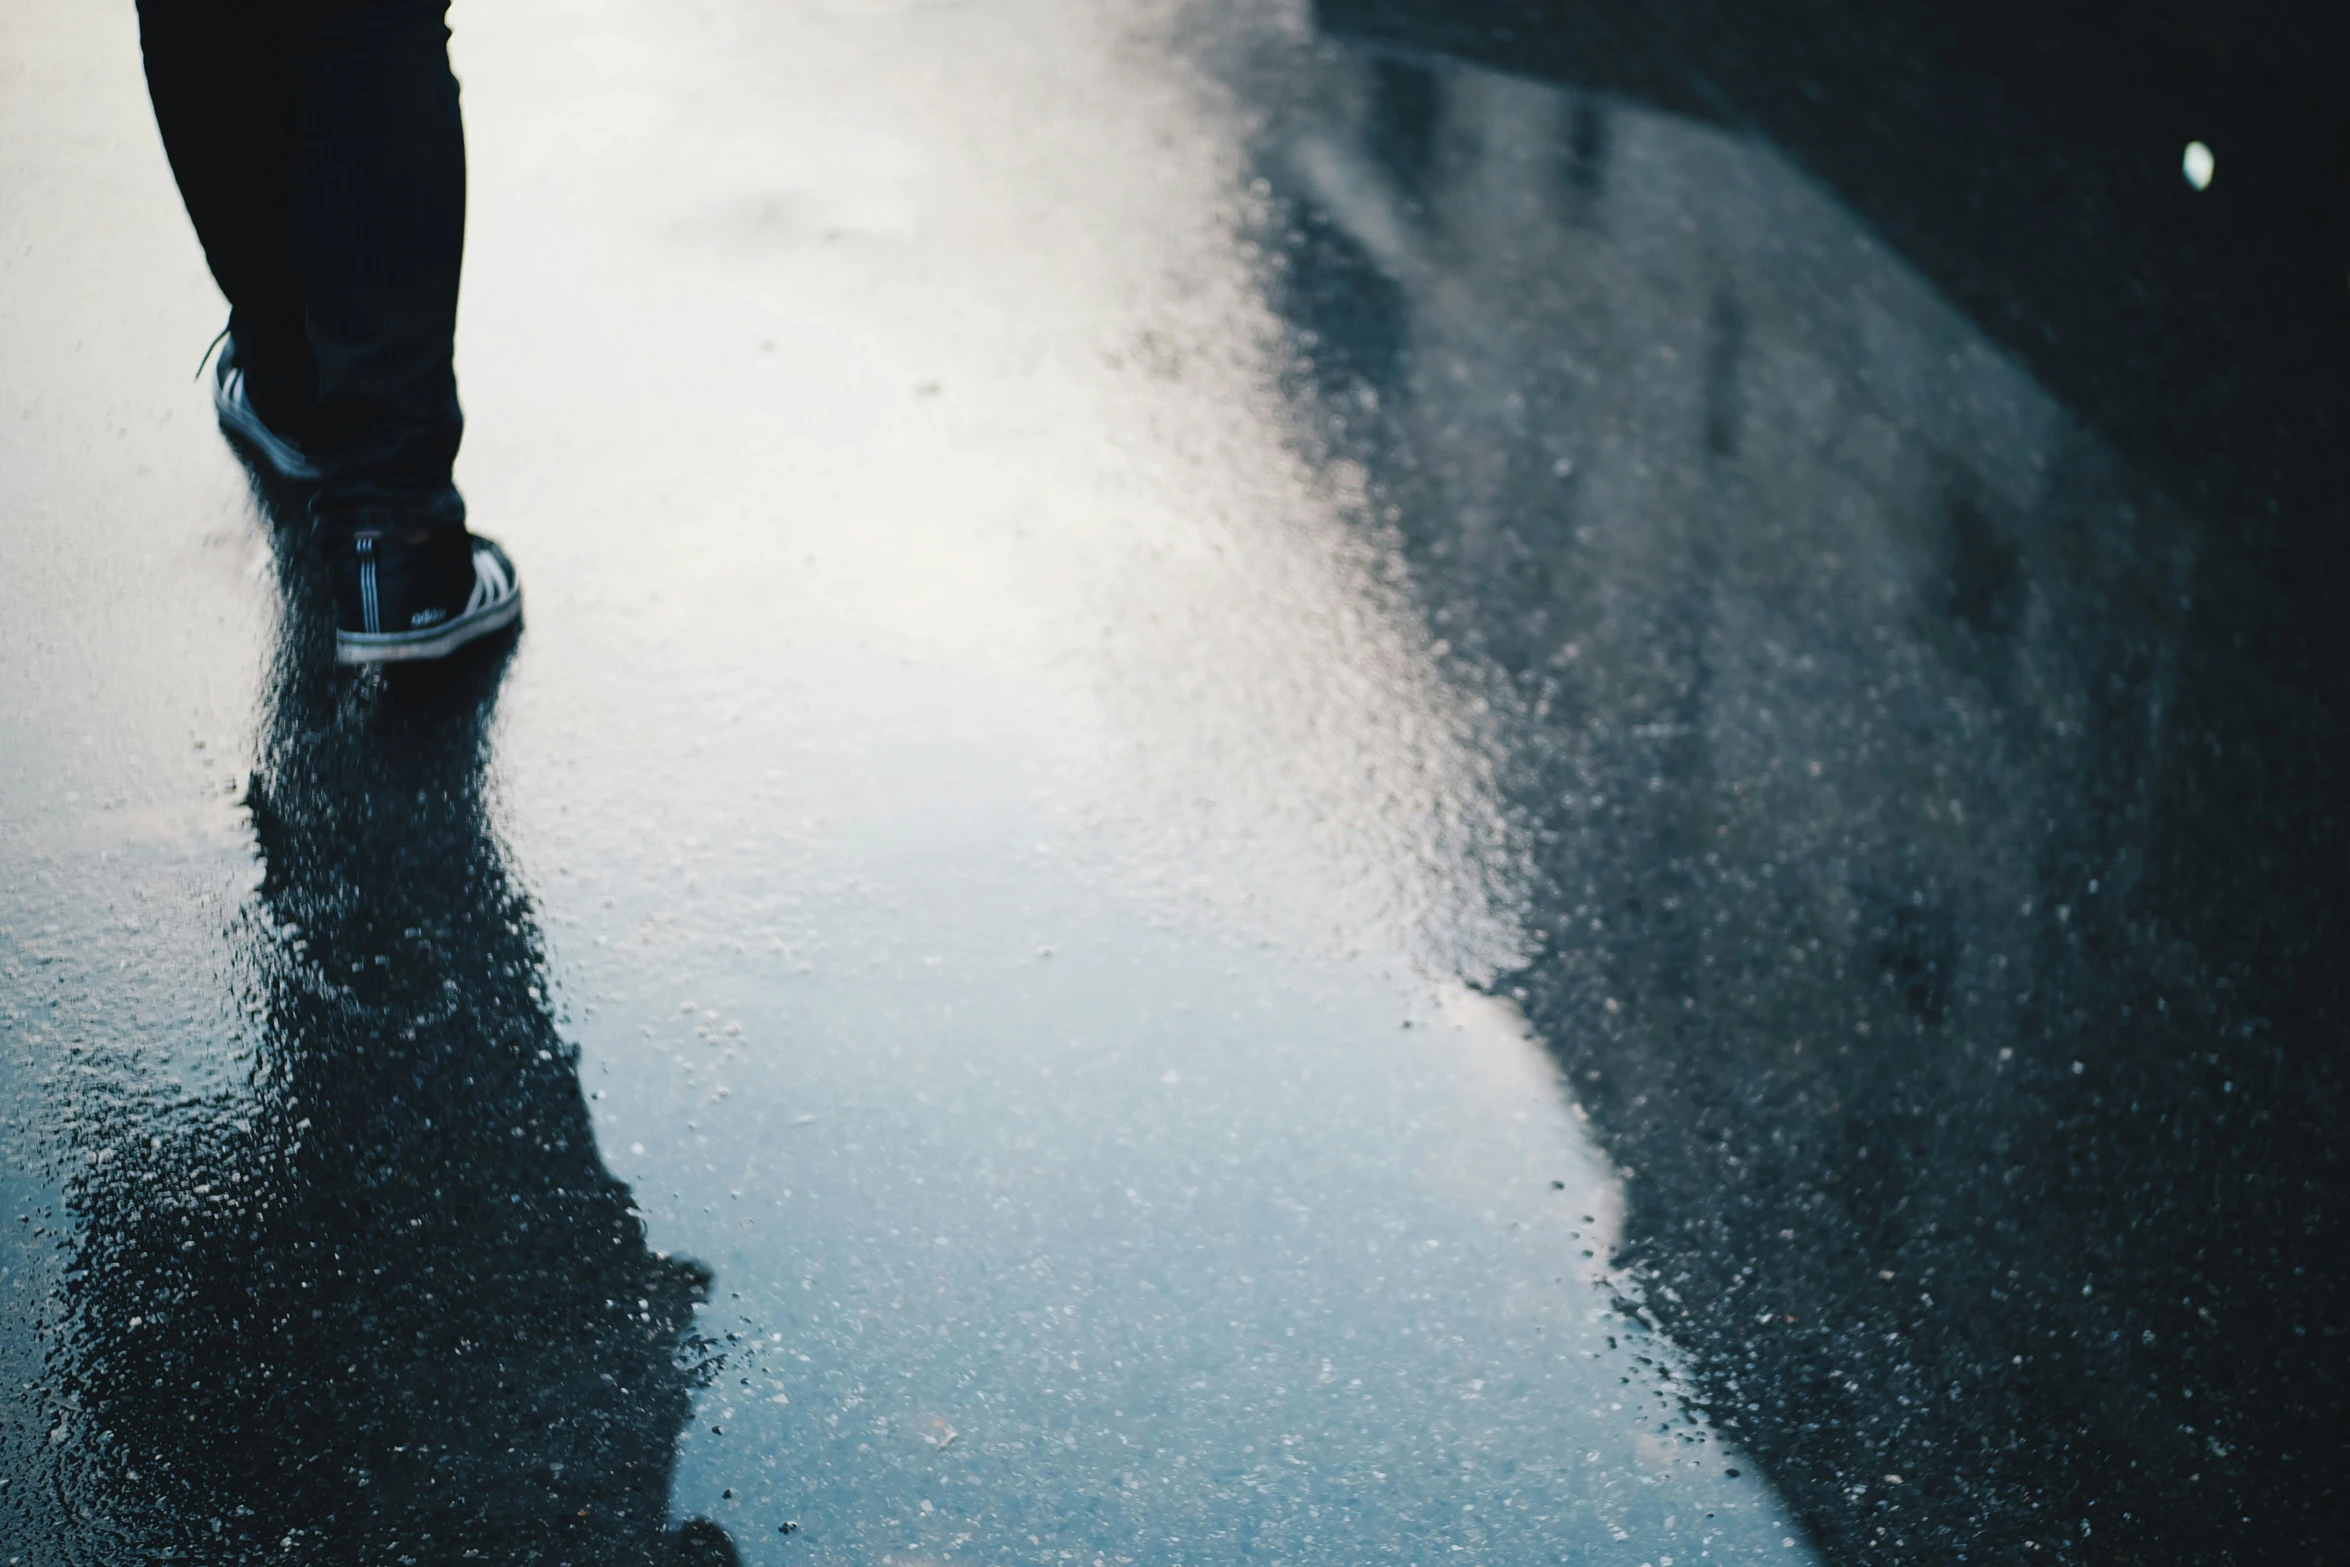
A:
(387, 1305)
(1937, 850)
(2026, 156)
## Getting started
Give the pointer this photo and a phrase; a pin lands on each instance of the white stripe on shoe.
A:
(370, 610)
(234, 405)
(489, 581)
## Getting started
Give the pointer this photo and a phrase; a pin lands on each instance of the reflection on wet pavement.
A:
(1873, 727)
(389, 1305)
(1004, 865)
(1270, 800)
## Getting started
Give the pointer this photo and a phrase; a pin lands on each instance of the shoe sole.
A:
(240, 421)
(394, 647)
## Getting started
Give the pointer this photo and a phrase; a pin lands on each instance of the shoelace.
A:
(207, 359)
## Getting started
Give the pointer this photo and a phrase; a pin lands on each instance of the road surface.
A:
(1276, 793)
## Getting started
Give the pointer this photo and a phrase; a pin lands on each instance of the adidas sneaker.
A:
(419, 595)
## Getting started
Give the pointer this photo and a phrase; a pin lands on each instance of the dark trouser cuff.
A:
(341, 518)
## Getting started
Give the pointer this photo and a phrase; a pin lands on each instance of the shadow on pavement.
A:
(397, 1311)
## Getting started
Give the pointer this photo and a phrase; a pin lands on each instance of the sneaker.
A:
(414, 596)
(239, 418)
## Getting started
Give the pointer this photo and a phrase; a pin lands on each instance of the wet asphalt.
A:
(1397, 784)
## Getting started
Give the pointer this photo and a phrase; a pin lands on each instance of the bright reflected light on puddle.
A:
(2197, 165)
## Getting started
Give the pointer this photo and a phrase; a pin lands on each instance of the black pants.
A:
(318, 146)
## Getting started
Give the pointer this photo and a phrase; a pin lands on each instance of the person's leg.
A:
(221, 75)
(380, 235)
(318, 147)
